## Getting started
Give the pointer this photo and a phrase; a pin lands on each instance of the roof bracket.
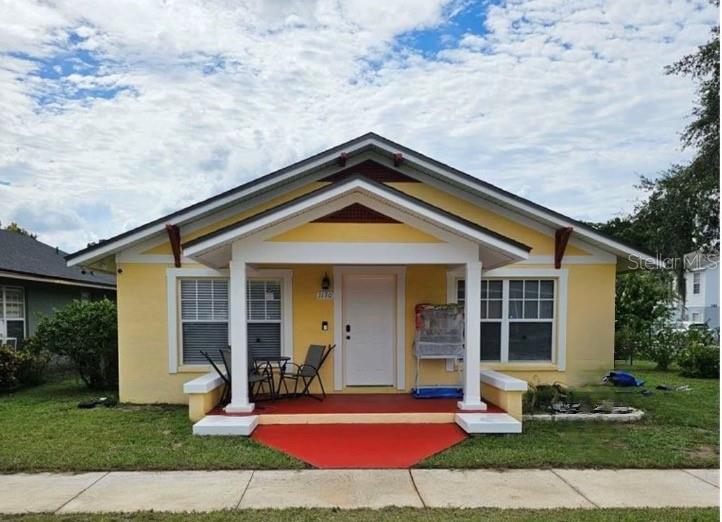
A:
(561, 238)
(398, 159)
(342, 158)
(175, 242)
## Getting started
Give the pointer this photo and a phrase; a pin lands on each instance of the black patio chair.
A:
(226, 395)
(309, 370)
(257, 377)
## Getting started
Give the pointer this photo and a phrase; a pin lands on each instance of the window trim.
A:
(175, 347)
(4, 318)
(696, 283)
(559, 324)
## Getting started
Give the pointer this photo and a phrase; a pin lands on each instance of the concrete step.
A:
(488, 423)
(357, 418)
(226, 425)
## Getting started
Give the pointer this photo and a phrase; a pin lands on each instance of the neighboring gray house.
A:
(34, 280)
(702, 290)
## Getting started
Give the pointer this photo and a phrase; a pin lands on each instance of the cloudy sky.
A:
(115, 113)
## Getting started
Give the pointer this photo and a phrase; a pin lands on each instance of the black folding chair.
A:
(226, 396)
(309, 370)
(257, 377)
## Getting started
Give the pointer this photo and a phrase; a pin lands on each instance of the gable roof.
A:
(361, 182)
(22, 256)
(364, 143)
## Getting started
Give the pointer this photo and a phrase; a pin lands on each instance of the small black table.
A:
(269, 361)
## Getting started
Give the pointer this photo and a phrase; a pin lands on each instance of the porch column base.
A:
(477, 406)
(239, 408)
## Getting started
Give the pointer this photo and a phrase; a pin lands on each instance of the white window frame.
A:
(175, 346)
(559, 323)
(4, 318)
(696, 283)
(182, 321)
(285, 276)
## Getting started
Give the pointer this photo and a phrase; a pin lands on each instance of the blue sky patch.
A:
(55, 70)
(469, 18)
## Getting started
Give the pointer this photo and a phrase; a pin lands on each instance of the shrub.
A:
(700, 355)
(86, 333)
(10, 362)
(32, 370)
(665, 347)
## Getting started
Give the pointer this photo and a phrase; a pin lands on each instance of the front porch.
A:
(371, 409)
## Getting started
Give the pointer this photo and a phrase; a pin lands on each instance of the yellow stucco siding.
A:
(356, 233)
(143, 337)
(143, 326)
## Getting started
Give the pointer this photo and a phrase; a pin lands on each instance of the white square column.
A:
(239, 340)
(472, 342)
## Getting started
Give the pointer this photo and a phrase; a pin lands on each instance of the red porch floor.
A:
(356, 403)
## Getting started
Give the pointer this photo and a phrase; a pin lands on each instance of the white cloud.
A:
(564, 103)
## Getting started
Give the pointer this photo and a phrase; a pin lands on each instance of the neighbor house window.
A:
(696, 277)
(517, 319)
(204, 315)
(12, 315)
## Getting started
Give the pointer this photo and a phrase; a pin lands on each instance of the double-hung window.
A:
(264, 317)
(517, 319)
(204, 317)
(696, 282)
(12, 315)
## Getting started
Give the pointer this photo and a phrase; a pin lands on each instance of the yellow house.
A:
(339, 249)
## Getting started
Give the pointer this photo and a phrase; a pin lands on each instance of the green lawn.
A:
(400, 514)
(41, 429)
(680, 429)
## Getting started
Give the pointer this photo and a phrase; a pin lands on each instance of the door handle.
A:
(348, 330)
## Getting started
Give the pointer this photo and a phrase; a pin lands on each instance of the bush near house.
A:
(664, 348)
(24, 366)
(700, 356)
(85, 332)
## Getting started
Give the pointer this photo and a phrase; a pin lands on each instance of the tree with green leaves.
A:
(644, 302)
(14, 227)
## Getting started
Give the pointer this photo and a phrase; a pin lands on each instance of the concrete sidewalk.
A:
(214, 490)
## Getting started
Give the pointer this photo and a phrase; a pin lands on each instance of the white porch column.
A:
(472, 345)
(239, 340)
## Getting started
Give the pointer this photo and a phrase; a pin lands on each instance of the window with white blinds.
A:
(263, 298)
(204, 315)
(204, 318)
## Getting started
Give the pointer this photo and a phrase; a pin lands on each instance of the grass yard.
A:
(41, 429)
(399, 514)
(680, 429)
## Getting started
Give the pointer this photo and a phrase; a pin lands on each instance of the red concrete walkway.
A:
(335, 446)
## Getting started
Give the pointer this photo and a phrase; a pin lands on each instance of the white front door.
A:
(369, 329)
